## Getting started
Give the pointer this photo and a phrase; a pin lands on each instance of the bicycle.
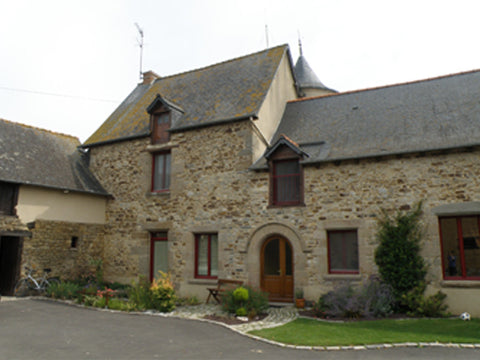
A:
(28, 284)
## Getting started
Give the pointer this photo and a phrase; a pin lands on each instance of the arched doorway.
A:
(276, 269)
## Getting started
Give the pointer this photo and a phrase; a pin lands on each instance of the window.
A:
(460, 242)
(161, 123)
(206, 256)
(8, 198)
(74, 242)
(161, 171)
(158, 254)
(286, 182)
(343, 252)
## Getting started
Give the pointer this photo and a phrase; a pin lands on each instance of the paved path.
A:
(35, 329)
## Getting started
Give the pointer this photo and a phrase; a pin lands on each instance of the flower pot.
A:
(300, 303)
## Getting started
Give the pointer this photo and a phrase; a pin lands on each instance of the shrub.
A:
(241, 311)
(397, 255)
(159, 295)
(163, 294)
(320, 308)
(89, 300)
(118, 304)
(98, 263)
(139, 294)
(99, 302)
(418, 305)
(253, 301)
(372, 299)
(378, 297)
(63, 290)
(240, 294)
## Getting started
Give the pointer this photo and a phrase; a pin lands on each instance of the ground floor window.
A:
(206, 256)
(460, 242)
(342, 252)
(158, 254)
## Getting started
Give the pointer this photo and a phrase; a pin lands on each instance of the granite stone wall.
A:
(213, 190)
(50, 246)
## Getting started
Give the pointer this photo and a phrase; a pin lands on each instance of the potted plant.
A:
(299, 299)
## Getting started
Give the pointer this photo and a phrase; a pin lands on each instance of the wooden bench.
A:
(222, 286)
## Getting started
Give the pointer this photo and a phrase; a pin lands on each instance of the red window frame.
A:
(154, 237)
(164, 174)
(295, 176)
(461, 248)
(344, 260)
(209, 257)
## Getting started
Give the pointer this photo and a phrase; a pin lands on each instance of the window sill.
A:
(460, 283)
(285, 206)
(343, 277)
(159, 193)
(153, 148)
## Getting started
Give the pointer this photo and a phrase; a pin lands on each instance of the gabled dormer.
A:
(286, 173)
(162, 115)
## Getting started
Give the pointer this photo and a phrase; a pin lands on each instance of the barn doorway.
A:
(10, 260)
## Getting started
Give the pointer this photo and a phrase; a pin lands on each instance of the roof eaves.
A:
(393, 153)
(112, 141)
(60, 188)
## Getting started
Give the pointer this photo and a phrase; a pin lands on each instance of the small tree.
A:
(397, 255)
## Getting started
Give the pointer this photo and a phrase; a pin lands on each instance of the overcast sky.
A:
(66, 65)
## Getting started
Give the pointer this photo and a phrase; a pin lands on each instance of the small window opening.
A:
(74, 242)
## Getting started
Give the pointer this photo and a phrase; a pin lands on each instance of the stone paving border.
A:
(276, 317)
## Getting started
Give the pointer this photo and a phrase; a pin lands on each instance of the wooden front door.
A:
(276, 261)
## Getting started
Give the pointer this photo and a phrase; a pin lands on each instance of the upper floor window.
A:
(161, 171)
(460, 241)
(342, 252)
(206, 255)
(8, 198)
(286, 182)
(160, 126)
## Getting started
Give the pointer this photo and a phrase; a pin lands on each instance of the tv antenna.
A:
(140, 44)
(266, 36)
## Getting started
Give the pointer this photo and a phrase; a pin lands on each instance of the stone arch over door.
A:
(254, 249)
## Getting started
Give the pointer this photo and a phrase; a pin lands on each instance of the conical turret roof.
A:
(306, 77)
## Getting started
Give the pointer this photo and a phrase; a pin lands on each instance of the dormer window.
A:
(162, 111)
(286, 173)
(286, 182)
(160, 126)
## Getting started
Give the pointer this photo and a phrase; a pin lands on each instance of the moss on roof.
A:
(227, 90)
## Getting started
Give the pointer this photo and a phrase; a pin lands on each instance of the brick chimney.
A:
(149, 77)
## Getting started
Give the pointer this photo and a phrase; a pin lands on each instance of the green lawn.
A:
(319, 333)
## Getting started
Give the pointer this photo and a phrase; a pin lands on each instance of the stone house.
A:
(252, 169)
(52, 209)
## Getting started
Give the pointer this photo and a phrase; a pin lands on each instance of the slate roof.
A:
(39, 157)
(433, 114)
(228, 91)
(306, 77)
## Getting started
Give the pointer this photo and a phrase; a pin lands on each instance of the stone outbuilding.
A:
(52, 209)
